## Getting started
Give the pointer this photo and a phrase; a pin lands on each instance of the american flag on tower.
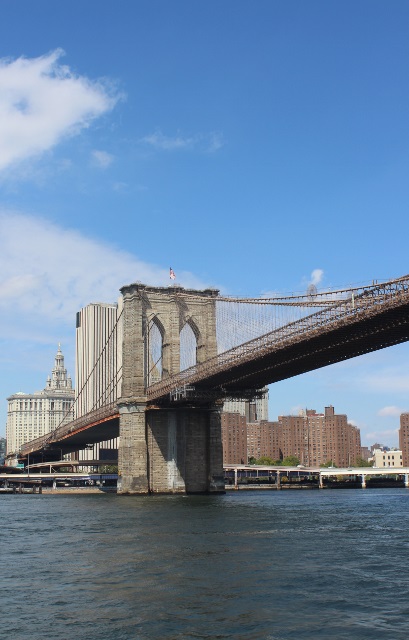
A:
(172, 275)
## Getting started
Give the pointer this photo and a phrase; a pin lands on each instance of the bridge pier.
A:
(166, 450)
(175, 446)
(132, 452)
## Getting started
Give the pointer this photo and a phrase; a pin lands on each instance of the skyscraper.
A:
(98, 356)
(98, 364)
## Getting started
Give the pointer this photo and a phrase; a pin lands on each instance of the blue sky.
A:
(246, 144)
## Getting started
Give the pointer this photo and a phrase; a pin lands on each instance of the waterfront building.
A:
(291, 433)
(404, 438)
(241, 436)
(30, 416)
(317, 438)
(387, 458)
(314, 438)
(262, 440)
(234, 438)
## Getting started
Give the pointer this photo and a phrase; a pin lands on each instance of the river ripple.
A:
(259, 565)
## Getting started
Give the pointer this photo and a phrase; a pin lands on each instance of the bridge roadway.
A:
(98, 426)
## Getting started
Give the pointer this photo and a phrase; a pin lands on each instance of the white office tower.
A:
(98, 359)
(32, 415)
(98, 364)
(253, 410)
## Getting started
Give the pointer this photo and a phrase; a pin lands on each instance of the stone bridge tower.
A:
(166, 448)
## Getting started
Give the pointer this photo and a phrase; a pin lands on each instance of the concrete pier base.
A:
(132, 452)
(170, 450)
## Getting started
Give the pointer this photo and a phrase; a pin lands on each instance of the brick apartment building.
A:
(234, 437)
(404, 438)
(315, 438)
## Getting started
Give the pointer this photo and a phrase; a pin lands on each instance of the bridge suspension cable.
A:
(240, 320)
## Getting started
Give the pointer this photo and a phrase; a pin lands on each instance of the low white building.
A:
(31, 415)
(387, 458)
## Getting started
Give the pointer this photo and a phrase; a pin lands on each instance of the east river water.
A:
(265, 565)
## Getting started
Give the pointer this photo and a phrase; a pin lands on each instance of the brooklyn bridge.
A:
(175, 355)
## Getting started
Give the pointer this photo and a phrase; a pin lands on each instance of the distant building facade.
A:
(234, 438)
(404, 438)
(314, 438)
(2, 450)
(366, 453)
(318, 438)
(387, 458)
(98, 363)
(30, 416)
(253, 410)
(98, 360)
(262, 440)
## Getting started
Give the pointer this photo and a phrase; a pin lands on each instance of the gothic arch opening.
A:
(188, 345)
(154, 352)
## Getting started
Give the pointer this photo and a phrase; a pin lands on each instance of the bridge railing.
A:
(358, 304)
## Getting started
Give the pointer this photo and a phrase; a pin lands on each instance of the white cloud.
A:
(166, 143)
(43, 101)
(102, 159)
(216, 142)
(297, 410)
(49, 272)
(387, 381)
(204, 142)
(390, 411)
(316, 277)
(390, 437)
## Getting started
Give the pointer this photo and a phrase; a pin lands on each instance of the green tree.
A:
(265, 460)
(252, 460)
(291, 461)
(108, 468)
(328, 464)
(361, 462)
